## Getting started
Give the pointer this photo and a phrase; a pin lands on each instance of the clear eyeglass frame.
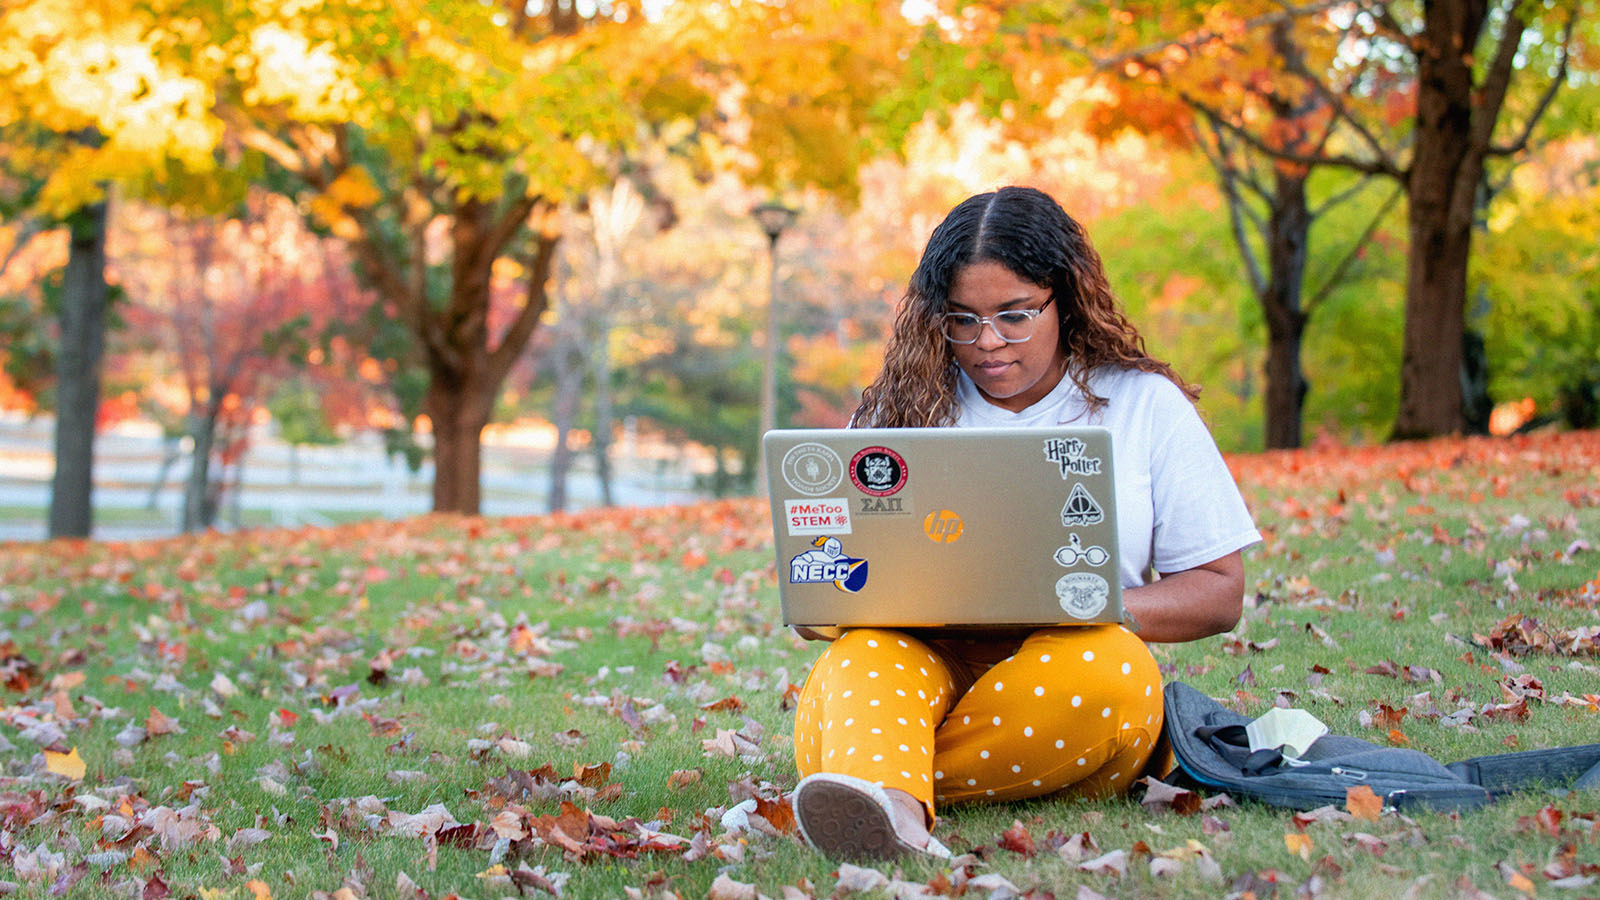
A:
(1014, 326)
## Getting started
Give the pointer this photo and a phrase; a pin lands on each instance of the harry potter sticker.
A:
(1068, 454)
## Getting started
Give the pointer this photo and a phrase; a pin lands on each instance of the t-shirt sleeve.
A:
(1199, 514)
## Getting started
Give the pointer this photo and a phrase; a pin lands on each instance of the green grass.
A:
(485, 611)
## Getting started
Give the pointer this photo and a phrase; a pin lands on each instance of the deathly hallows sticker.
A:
(1081, 508)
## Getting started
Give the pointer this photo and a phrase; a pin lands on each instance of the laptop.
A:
(930, 527)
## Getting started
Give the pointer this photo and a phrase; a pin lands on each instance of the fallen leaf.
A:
(1017, 839)
(69, 764)
(684, 777)
(1298, 843)
(725, 888)
(1113, 863)
(1362, 803)
(1160, 797)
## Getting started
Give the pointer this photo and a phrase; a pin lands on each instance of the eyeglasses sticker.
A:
(943, 527)
(825, 515)
(826, 563)
(1083, 594)
(1068, 454)
(1075, 552)
(812, 469)
(1081, 509)
(878, 471)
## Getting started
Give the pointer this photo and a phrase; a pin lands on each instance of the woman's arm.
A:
(1191, 604)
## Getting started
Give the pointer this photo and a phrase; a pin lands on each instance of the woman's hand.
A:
(819, 633)
(1191, 604)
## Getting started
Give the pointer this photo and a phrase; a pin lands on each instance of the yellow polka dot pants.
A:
(1073, 709)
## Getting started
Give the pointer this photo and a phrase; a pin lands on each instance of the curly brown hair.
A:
(1027, 231)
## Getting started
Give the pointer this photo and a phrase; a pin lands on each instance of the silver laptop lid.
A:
(944, 526)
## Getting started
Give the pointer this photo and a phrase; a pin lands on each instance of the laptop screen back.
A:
(969, 527)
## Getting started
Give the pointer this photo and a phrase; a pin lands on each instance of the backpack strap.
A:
(1576, 768)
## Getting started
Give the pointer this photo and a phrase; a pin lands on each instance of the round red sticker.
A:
(878, 471)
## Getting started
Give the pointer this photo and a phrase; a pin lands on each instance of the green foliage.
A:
(708, 394)
(29, 358)
(1176, 268)
(297, 410)
(1539, 269)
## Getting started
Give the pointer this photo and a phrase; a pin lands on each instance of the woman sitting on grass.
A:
(1009, 321)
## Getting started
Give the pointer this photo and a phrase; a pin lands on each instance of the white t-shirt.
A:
(1177, 504)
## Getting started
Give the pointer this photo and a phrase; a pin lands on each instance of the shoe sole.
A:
(846, 824)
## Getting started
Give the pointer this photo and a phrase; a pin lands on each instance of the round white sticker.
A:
(812, 469)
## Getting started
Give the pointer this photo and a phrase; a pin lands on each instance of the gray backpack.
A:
(1213, 754)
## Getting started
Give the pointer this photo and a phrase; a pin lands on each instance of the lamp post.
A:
(773, 217)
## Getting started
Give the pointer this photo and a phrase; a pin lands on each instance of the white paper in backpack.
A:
(1292, 730)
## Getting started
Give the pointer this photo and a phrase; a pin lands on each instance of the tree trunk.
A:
(199, 506)
(169, 456)
(459, 413)
(459, 397)
(1446, 171)
(569, 388)
(602, 414)
(83, 326)
(1288, 234)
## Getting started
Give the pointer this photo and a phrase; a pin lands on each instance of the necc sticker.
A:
(826, 515)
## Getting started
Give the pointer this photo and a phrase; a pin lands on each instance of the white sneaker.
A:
(851, 818)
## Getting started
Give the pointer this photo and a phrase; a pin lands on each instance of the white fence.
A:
(308, 485)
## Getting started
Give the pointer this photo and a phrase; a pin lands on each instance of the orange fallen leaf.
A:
(1362, 803)
(258, 889)
(684, 777)
(159, 723)
(1298, 843)
(69, 764)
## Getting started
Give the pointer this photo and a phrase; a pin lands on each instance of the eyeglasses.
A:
(1013, 325)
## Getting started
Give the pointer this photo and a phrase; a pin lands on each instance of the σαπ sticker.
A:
(1083, 594)
(1068, 454)
(812, 468)
(827, 562)
(882, 506)
(878, 471)
(1074, 552)
(1081, 509)
(943, 526)
(824, 515)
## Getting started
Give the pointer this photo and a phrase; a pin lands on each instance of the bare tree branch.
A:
(1350, 255)
(1521, 143)
(26, 232)
(536, 301)
(1196, 39)
(1381, 166)
(276, 149)
(1341, 196)
(1226, 171)
(511, 218)
(1294, 63)
(1383, 17)
(1497, 81)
